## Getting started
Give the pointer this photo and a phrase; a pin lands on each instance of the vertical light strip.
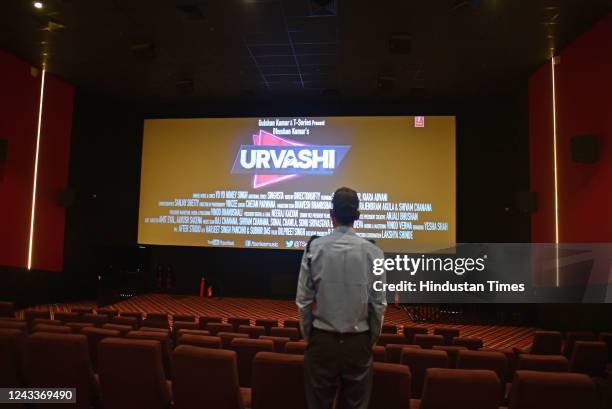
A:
(554, 109)
(32, 217)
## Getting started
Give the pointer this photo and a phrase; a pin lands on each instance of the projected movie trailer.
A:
(268, 182)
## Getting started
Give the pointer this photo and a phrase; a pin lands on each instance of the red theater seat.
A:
(468, 342)
(548, 390)
(589, 357)
(155, 329)
(77, 327)
(393, 352)
(418, 360)
(452, 351)
(108, 312)
(278, 381)
(61, 361)
(66, 316)
(45, 321)
(203, 341)
(236, 322)
(130, 314)
(572, 337)
(157, 316)
(123, 329)
(246, 349)
(216, 327)
(389, 329)
(428, 341)
(457, 388)
(279, 342)
(267, 324)
(14, 324)
(82, 310)
(205, 320)
(30, 315)
(189, 325)
(7, 309)
(182, 332)
(546, 343)
(494, 361)
(57, 329)
(227, 337)
(292, 324)
(447, 333)
(183, 318)
(390, 386)
(156, 320)
(252, 331)
(290, 332)
(97, 320)
(165, 343)
(385, 339)
(296, 347)
(410, 332)
(94, 336)
(205, 378)
(12, 344)
(542, 363)
(379, 353)
(132, 322)
(607, 338)
(132, 374)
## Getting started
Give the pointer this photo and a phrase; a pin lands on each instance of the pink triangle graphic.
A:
(264, 138)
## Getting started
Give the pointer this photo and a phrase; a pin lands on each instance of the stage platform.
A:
(497, 337)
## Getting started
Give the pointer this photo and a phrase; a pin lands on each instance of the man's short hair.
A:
(345, 204)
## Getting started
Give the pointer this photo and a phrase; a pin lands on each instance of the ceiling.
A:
(166, 51)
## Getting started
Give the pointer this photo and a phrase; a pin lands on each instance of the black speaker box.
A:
(3, 150)
(585, 149)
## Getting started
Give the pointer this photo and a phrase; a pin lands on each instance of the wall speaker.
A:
(526, 202)
(65, 197)
(585, 148)
(3, 150)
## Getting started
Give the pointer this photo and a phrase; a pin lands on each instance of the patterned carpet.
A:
(497, 337)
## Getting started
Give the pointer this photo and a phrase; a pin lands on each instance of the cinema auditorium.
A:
(306, 204)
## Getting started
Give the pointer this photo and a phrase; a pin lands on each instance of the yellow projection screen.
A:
(267, 182)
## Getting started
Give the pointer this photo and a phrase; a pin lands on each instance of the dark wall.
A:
(492, 164)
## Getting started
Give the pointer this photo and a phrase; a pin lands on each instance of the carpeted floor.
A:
(493, 336)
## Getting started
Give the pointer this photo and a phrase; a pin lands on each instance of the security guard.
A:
(340, 313)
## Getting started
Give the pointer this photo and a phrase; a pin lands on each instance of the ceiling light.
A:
(38, 4)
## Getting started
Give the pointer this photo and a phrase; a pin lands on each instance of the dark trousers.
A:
(338, 364)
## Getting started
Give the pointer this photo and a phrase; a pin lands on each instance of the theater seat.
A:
(460, 388)
(205, 320)
(290, 332)
(411, 331)
(279, 342)
(452, 351)
(132, 322)
(572, 337)
(45, 321)
(130, 314)
(236, 322)
(200, 332)
(156, 320)
(468, 342)
(94, 336)
(30, 315)
(67, 316)
(165, 343)
(389, 329)
(97, 320)
(77, 327)
(607, 338)
(227, 337)
(385, 339)
(108, 312)
(203, 341)
(548, 390)
(215, 327)
(448, 333)
(82, 310)
(428, 341)
(14, 324)
(390, 386)
(278, 381)
(542, 363)
(379, 353)
(57, 329)
(246, 349)
(12, 344)
(132, 374)
(179, 325)
(123, 329)
(418, 360)
(252, 331)
(296, 347)
(489, 360)
(267, 324)
(393, 352)
(205, 378)
(184, 318)
(61, 361)
(589, 357)
(546, 343)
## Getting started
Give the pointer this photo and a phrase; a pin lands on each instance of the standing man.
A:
(340, 313)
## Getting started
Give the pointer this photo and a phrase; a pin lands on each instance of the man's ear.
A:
(331, 213)
(357, 214)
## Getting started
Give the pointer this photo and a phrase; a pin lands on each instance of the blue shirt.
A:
(335, 290)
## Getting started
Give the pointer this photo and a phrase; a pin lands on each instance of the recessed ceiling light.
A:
(38, 4)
